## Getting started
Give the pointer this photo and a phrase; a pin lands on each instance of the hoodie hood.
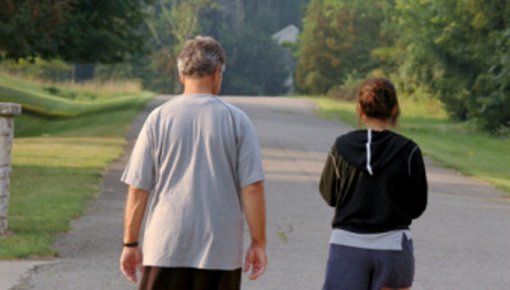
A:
(370, 150)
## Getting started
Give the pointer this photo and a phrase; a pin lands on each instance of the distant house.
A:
(288, 35)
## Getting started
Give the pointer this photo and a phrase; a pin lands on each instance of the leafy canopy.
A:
(83, 31)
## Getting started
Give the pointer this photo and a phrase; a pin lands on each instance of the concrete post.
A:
(7, 113)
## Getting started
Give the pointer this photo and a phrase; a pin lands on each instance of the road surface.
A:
(461, 242)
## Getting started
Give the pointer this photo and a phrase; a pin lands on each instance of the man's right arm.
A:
(255, 211)
(131, 257)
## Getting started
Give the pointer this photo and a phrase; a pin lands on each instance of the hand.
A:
(256, 260)
(130, 261)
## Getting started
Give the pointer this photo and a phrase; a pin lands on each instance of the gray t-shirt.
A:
(194, 154)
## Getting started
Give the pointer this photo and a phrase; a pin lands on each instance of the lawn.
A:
(57, 167)
(455, 145)
(67, 100)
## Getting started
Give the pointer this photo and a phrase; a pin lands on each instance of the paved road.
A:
(462, 242)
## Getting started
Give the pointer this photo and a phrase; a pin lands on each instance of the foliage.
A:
(270, 16)
(460, 50)
(347, 91)
(169, 23)
(337, 41)
(82, 31)
(255, 64)
(55, 70)
(456, 51)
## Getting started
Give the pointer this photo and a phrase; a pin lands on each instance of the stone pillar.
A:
(7, 113)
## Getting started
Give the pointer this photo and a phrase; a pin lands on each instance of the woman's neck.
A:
(377, 125)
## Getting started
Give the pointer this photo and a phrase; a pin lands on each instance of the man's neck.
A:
(198, 86)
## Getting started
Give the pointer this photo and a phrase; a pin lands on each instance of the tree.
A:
(170, 23)
(337, 43)
(455, 50)
(81, 31)
(460, 50)
(255, 64)
(269, 16)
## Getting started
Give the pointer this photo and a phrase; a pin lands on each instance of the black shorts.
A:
(159, 278)
(351, 268)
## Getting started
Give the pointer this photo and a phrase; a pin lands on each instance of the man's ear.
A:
(181, 79)
(218, 70)
(217, 73)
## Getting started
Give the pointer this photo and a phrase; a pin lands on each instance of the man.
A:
(196, 166)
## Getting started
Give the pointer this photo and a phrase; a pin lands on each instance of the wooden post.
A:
(7, 113)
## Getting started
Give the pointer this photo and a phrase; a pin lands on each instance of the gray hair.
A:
(200, 57)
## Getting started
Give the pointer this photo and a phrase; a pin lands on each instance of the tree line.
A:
(141, 39)
(79, 31)
(457, 51)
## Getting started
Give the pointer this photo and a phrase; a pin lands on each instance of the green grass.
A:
(53, 178)
(57, 167)
(52, 100)
(454, 145)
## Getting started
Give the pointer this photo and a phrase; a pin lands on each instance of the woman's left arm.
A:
(419, 181)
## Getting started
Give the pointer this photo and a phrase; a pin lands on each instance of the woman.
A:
(375, 179)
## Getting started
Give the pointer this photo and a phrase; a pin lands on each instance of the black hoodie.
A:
(375, 180)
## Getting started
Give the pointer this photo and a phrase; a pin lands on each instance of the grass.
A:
(68, 100)
(53, 179)
(57, 167)
(454, 145)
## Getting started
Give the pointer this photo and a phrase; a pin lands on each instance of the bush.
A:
(54, 70)
(347, 91)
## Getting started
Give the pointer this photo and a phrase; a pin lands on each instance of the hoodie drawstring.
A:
(369, 154)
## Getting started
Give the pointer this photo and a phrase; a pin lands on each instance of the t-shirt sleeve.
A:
(249, 166)
(140, 171)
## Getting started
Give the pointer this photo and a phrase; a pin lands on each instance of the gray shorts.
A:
(351, 268)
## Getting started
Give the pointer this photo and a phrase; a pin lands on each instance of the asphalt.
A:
(461, 242)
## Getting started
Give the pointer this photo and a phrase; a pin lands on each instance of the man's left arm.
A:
(255, 211)
(131, 257)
